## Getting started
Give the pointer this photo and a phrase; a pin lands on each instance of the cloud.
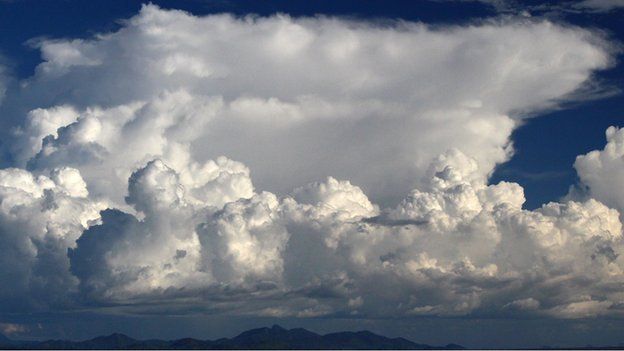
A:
(245, 241)
(602, 171)
(463, 248)
(599, 5)
(475, 248)
(299, 95)
(12, 328)
(549, 8)
(40, 217)
(120, 195)
(126, 256)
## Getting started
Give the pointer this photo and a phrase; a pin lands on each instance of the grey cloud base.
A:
(115, 201)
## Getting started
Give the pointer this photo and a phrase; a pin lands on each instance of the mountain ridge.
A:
(265, 338)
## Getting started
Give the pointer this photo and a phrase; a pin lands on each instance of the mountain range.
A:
(274, 337)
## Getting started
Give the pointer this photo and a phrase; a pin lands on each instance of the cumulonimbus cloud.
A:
(133, 123)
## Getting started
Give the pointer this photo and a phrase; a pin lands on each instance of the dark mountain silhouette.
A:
(275, 337)
(110, 342)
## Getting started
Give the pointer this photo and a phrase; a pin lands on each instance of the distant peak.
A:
(119, 335)
(273, 337)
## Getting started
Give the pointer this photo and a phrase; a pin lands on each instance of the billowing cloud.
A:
(40, 217)
(457, 247)
(463, 247)
(602, 171)
(293, 99)
(120, 194)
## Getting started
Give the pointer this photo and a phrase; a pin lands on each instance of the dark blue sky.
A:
(545, 149)
(546, 146)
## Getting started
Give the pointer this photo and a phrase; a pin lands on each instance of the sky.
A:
(445, 171)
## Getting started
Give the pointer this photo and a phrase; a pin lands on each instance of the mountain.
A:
(274, 337)
(110, 342)
(368, 340)
(113, 341)
(277, 337)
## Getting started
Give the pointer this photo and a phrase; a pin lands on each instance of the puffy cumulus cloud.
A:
(245, 241)
(40, 217)
(39, 124)
(124, 258)
(602, 171)
(464, 247)
(107, 145)
(123, 198)
(155, 188)
(158, 249)
(336, 197)
(297, 100)
(458, 246)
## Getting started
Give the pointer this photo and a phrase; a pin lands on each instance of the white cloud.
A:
(245, 241)
(458, 248)
(401, 109)
(602, 171)
(297, 100)
(125, 256)
(40, 217)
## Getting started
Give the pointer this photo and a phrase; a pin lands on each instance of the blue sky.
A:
(445, 127)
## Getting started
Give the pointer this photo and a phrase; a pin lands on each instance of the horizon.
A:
(274, 327)
(446, 171)
(260, 338)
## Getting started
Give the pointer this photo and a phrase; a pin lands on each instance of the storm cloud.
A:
(302, 167)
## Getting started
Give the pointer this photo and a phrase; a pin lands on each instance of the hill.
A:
(274, 337)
